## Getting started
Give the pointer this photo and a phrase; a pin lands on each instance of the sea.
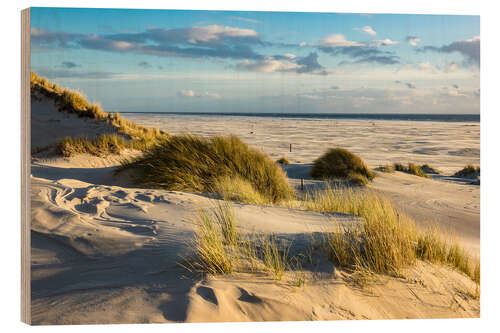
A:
(354, 116)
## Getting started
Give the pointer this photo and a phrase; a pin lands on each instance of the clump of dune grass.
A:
(469, 171)
(412, 169)
(339, 163)
(283, 160)
(215, 242)
(387, 240)
(75, 102)
(238, 189)
(102, 145)
(275, 257)
(193, 163)
(386, 168)
(383, 243)
(416, 170)
(428, 169)
(219, 248)
(433, 247)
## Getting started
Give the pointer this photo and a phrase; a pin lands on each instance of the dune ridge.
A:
(107, 251)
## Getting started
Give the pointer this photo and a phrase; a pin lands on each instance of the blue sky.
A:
(222, 61)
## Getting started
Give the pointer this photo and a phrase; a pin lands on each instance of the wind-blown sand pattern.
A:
(104, 251)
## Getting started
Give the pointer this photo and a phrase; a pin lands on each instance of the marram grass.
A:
(339, 163)
(75, 102)
(469, 171)
(192, 163)
(386, 243)
(413, 169)
(219, 248)
(388, 240)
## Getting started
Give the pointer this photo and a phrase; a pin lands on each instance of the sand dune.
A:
(104, 251)
(110, 254)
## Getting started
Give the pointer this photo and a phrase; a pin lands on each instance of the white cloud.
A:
(190, 93)
(429, 68)
(216, 32)
(186, 93)
(382, 42)
(413, 40)
(369, 30)
(268, 65)
(425, 66)
(338, 40)
(244, 19)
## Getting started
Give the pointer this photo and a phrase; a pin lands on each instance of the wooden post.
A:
(290, 147)
(302, 184)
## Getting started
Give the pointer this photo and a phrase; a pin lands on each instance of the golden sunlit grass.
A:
(388, 240)
(102, 145)
(339, 163)
(239, 190)
(412, 169)
(75, 102)
(192, 163)
(219, 248)
(385, 242)
(386, 168)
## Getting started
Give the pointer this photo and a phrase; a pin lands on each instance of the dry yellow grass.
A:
(388, 240)
(194, 163)
(219, 248)
(73, 101)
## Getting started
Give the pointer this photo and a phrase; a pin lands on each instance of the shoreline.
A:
(459, 118)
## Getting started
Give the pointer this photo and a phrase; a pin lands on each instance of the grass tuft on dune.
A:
(219, 248)
(75, 102)
(386, 243)
(469, 171)
(191, 163)
(339, 163)
(388, 240)
(412, 169)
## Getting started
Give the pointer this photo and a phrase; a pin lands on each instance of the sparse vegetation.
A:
(412, 169)
(215, 242)
(386, 168)
(469, 171)
(191, 163)
(73, 101)
(102, 145)
(428, 169)
(384, 242)
(220, 249)
(283, 160)
(275, 258)
(339, 163)
(416, 170)
(387, 241)
(238, 189)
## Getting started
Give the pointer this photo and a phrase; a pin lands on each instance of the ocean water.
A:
(359, 116)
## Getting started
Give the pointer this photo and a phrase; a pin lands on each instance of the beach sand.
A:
(452, 204)
(105, 251)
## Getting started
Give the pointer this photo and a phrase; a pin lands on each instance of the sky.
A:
(228, 61)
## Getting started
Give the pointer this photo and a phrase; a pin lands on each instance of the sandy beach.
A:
(447, 146)
(107, 251)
